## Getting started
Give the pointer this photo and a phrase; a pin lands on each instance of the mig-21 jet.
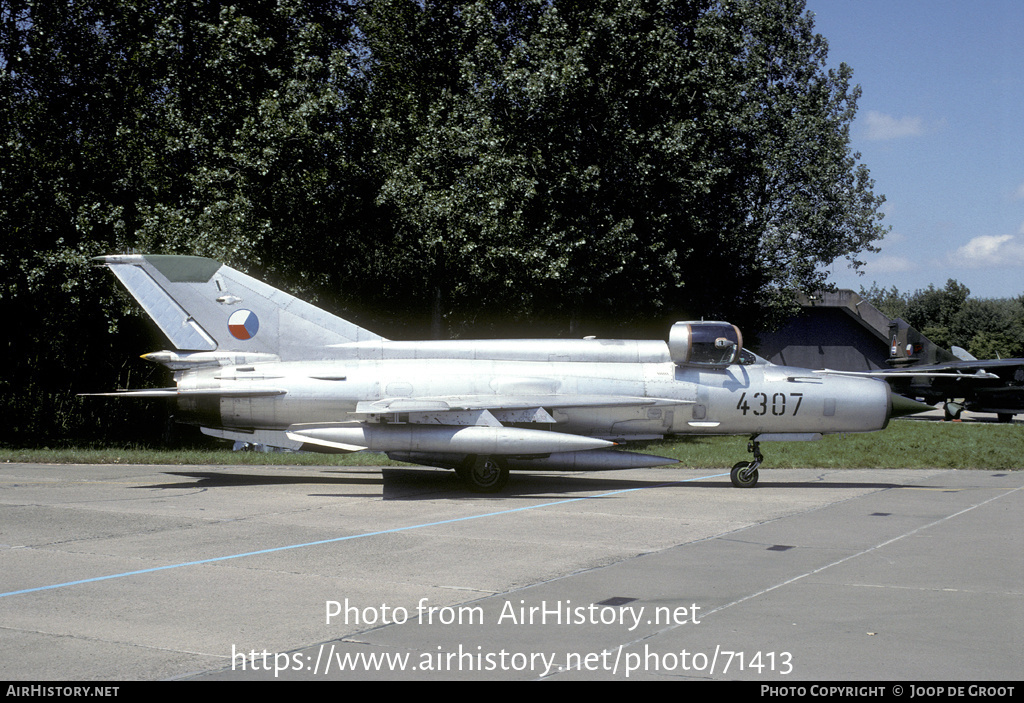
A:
(254, 364)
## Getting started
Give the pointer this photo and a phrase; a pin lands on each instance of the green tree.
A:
(180, 126)
(891, 302)
(938, 307)
(253, 158)
(995, 345)
(618, 160)
(69, 96)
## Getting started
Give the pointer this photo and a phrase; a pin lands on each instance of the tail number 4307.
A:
(777, 404)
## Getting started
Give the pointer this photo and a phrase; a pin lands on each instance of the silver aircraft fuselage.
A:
(740, 399)
(255, 365)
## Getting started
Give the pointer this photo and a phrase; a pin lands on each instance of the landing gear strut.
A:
(744, 474)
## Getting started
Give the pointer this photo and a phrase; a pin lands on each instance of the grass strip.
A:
(910, 444)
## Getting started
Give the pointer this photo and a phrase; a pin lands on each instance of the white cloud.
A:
(881, 126)
(891, 264)
(991, 251)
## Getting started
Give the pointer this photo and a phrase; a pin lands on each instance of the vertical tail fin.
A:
(203, 305)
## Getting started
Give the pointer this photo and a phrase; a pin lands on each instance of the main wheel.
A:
(484, 474)
(742, 476)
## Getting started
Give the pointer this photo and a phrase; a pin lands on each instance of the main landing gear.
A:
(483, 474)
(744, 474)
(951, 411)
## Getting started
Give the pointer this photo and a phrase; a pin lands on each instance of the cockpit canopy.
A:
(705, 344)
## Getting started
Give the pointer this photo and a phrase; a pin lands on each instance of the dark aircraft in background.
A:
(984, 386)
(254, 364)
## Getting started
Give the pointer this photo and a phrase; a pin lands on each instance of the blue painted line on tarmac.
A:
(348, 537)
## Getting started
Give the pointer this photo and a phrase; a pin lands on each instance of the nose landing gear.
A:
(744, 474)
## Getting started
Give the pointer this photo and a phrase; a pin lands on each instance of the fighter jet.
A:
(965, 383)
(254, 364)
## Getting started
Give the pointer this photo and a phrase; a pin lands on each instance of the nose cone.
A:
(900, 406)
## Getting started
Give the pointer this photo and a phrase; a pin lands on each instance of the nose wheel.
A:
(744, 474)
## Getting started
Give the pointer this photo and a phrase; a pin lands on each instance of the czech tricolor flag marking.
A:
(243, 324)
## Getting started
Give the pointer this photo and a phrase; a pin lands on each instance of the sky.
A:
(940, 125)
